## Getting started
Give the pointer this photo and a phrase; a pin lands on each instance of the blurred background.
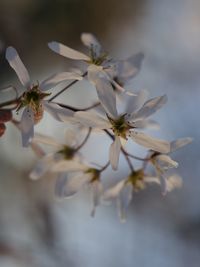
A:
(37, 230)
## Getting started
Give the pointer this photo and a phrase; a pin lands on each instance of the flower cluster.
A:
(119, 113)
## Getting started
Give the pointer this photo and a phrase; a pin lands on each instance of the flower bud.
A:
(5, 115)
(2, 128)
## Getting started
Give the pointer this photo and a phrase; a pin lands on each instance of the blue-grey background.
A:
(35, 229)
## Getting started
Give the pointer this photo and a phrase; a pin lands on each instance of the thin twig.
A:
(77, 109)
(105, 166)
(85, 140)
(65, 88)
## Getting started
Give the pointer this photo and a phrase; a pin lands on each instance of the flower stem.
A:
(85, 140)
(67, 87)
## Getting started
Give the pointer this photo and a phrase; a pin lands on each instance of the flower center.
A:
(67, 152)
(95, 174)
(120, 126)
(136, 178)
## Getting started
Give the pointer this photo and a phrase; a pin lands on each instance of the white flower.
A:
(123, 191)
(124, 125)
(117, 72)
(82, 175)
(163, 162)
(32, 99)
(65, 153)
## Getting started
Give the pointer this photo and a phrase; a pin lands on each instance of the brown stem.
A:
(65, 88)
(85, 140)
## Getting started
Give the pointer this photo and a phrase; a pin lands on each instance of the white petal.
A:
(27, 126)
(90, 41)
(166, 162)
(47, 140)
(42, 167)
(180, 143)
(149, 107)
(57, 112)
(129, 68)
(71, 136)
(104, 89)
(67, 187)
(135, 102)
(37, 150)
(93, 120)
(68, 165)
(124, 200)
(97, 190)
(155, 144)
(115, 152)
(172, 182)
(55, 79)
(18, 66)
(151, 179)
(145, 123)
(114, 191)
(66, 51)
(60, 185)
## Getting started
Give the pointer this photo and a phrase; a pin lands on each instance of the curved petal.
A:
(145, 123)
(180, 143)
(129, 68)
(66, 51)
(93, 120)
(27, 126)
(172, 182)
(149, 142)
(149, 107)
(55, 79)
(71, 136)
(58, 113)
(18, 66)
(67, 187)
(124, 200)
(135, 102)
(97, 190)
(104, 89)
(91, 41)
(47, 140)
(68, 165)
(114, 152)
(42, 167)
(166, 162)
(114, 191)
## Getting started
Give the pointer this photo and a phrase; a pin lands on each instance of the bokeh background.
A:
(35, 229)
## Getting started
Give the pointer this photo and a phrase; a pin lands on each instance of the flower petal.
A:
(91, 42)
(93, 120)
(124, 200)
(114, 191)
(145, 123)
(97, 190)
(104, 89)
(18, 66)
(129, 68)
(149, 107)
(66, 51)
(68, 165)
(155, 144)
(42, 167)
(135, 102)
(55, 79)
(27, 126)
(172, 182)
(67, 187)
(115, 152)
(58, 113)
(47, 140)
(166, 162)
(180, 143)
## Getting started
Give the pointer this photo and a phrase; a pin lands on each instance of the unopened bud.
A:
(5, 115)
(2, 128)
